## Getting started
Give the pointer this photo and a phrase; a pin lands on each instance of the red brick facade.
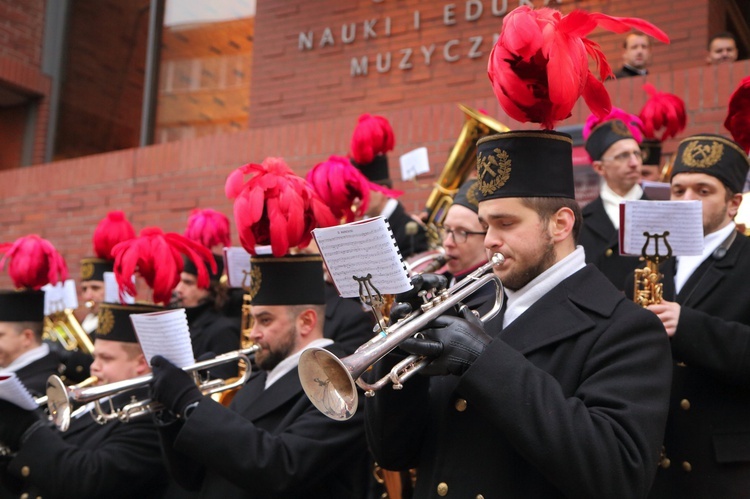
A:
(158, 185)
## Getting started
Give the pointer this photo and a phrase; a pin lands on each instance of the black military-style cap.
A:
(190, 268)
(115, 324)
(287, 280)
(604, 135)
(714, 155)
(93, 269)
(21, 306)
(467, 195)
(651, 152)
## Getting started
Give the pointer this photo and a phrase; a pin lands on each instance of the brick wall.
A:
(21, 34)
(292, 85)
(158, 185)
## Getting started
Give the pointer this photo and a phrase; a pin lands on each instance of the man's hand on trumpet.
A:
(173, 387)
(453, 344)
(422, 285)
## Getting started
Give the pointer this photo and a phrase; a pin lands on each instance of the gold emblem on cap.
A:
(87, 270)
(697, 155)
(471, 194)
(493, 170)
(620, 128)
(645, 153)
(106, 322)
(255, 280)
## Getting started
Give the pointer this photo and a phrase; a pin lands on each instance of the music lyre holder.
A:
(371, 297)
(648, 287)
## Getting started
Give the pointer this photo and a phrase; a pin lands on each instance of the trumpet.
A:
(60, 398)
(331, 383)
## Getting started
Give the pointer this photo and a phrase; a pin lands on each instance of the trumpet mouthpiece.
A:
(497, 259)
(89, 304)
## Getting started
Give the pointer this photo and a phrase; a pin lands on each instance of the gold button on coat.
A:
(480, 496)
(665, 463)
(608, 252)
(461, 405)
(25, 471)
(442, 489)
(25, 496)
(687, 466)
(685, 404)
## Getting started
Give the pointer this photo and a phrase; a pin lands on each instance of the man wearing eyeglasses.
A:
(616, 157)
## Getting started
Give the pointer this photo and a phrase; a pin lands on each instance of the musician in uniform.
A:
(22, 350)
(210, 330)
(706, 313)
(616, 157)
(563, 395)
(89, 459)
(371, 140)
(271, 441)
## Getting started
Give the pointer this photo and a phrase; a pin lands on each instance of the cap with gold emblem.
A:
(287, 280)
(525, 163)
(115, 324)
(651, 151)
(467, 195)
(713, 155)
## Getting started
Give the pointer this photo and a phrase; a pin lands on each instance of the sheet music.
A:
(112, 290)
(360, 248)
(54, 300)
(683, 220)
(165, 333)
(12, 390)
(237, 263)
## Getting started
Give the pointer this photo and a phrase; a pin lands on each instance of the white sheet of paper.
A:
(414, 163)
(54, 300)
(682, 219)
(237, 263)
(360, 248)
(12, 390)
(165, 333)
(112, 290)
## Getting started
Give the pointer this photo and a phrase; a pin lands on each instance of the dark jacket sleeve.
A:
(127, 460)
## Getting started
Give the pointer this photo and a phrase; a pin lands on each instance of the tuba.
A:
(64, 328)
(331, 383)
(461, 161)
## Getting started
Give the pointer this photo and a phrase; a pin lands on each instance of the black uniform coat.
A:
(34, 376)
(346, 323)
(627, 71)
(709, 419)
(268, 444)
(599, 239)
(407, 244)
(89, 461)
(570, 400)
(210, 331)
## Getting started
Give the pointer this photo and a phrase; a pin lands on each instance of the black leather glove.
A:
(453, 343)
(14, 422)
(410, 300)
(172, 386)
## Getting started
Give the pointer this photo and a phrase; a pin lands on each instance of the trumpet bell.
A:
(328, 383)
(58, 404)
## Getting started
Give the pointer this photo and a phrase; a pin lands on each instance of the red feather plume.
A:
(275, 207)
(373, 135)
(339, 184)
(33, 262)
(738, 115)
(539, 65)
(111, 230)
(157, 257)
(662, 111)
(209, 228)
(633, 122)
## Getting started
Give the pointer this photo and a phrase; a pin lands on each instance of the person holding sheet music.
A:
(89, 460)
(271, 441)
(617, 158)
(706, 313)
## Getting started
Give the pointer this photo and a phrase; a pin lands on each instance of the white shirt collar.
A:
(612, 200)
(686, 265)
(520, 300)
(27, 358)
(291, 362)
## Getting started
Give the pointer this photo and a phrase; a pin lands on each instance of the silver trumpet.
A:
(61, 398)
(330, 382)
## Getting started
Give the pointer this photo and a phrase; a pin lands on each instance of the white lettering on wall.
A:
(326, 38)
(447, 51)
(383, 64)
(427, 52)
(449, 14)
(499, 11)
(405, 64)
(305, 41)
(359, 66)
(368, 27)
(474, 51)
(348, 32)
(474, 9)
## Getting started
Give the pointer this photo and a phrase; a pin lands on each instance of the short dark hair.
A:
(546, 207)
(636, 33)
(722, 34)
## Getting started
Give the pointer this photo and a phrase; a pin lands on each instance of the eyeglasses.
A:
(624, 156)
(459, 235)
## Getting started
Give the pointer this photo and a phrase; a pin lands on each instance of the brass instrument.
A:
(331, 383)
(40, 401)
(461, 161)
(64, 328)
(648, 288)
(60, 398)
(427, 262)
